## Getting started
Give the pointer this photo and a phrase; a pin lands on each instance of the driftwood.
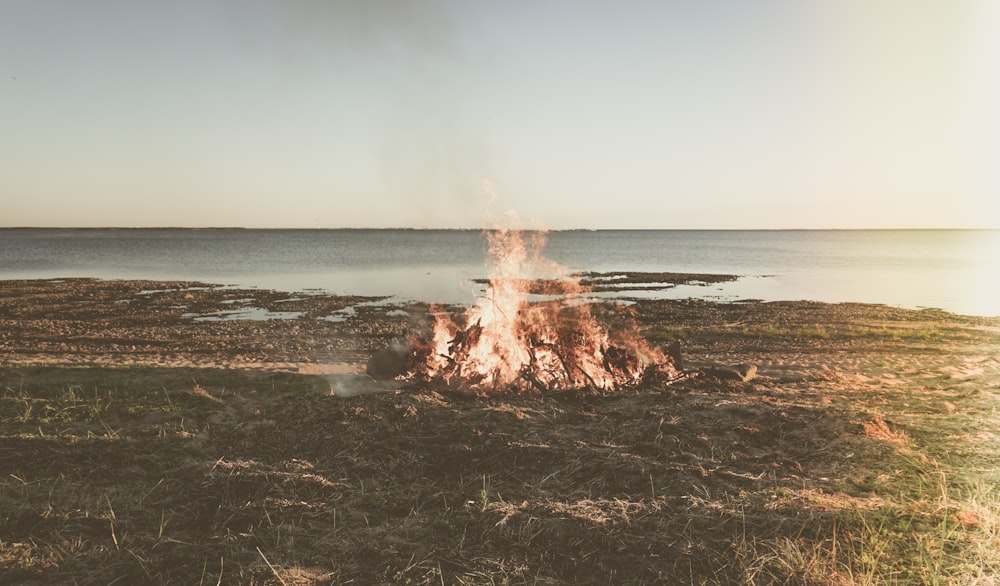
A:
(549, 367)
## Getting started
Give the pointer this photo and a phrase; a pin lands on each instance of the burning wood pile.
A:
(529, 331)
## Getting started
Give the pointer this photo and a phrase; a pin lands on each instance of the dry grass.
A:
(874, 461)
(205, 477)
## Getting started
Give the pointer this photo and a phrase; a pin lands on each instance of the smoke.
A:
(430, 162)
(344, 386)
(402, 65)
(318, 33)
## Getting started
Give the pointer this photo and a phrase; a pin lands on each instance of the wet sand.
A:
(86, 322)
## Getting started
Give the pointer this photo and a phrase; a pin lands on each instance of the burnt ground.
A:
(143, 442)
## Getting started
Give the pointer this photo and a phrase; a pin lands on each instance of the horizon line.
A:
(482, 228)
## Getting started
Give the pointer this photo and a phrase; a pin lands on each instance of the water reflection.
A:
(956, 270)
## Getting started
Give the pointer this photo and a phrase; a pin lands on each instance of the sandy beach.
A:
(169, 432)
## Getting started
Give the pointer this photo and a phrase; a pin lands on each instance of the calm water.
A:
(956, 270)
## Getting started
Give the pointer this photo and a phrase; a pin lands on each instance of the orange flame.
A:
(551, 343)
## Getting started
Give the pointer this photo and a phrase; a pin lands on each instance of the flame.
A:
(534, 329)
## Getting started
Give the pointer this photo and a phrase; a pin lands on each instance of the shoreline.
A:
(143, 446)
(951, 270)
(425, 287)
(194, 324)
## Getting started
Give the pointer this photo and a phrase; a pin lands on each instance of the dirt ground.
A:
(153, 433)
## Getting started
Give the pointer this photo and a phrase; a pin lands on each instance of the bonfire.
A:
(533, 329)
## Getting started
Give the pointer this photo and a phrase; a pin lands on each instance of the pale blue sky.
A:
(382, 113)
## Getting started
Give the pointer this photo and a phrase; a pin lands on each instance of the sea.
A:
(954, 270)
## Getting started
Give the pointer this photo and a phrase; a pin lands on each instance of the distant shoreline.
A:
(482, 229)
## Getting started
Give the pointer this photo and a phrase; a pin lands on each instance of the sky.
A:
(452, 114)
